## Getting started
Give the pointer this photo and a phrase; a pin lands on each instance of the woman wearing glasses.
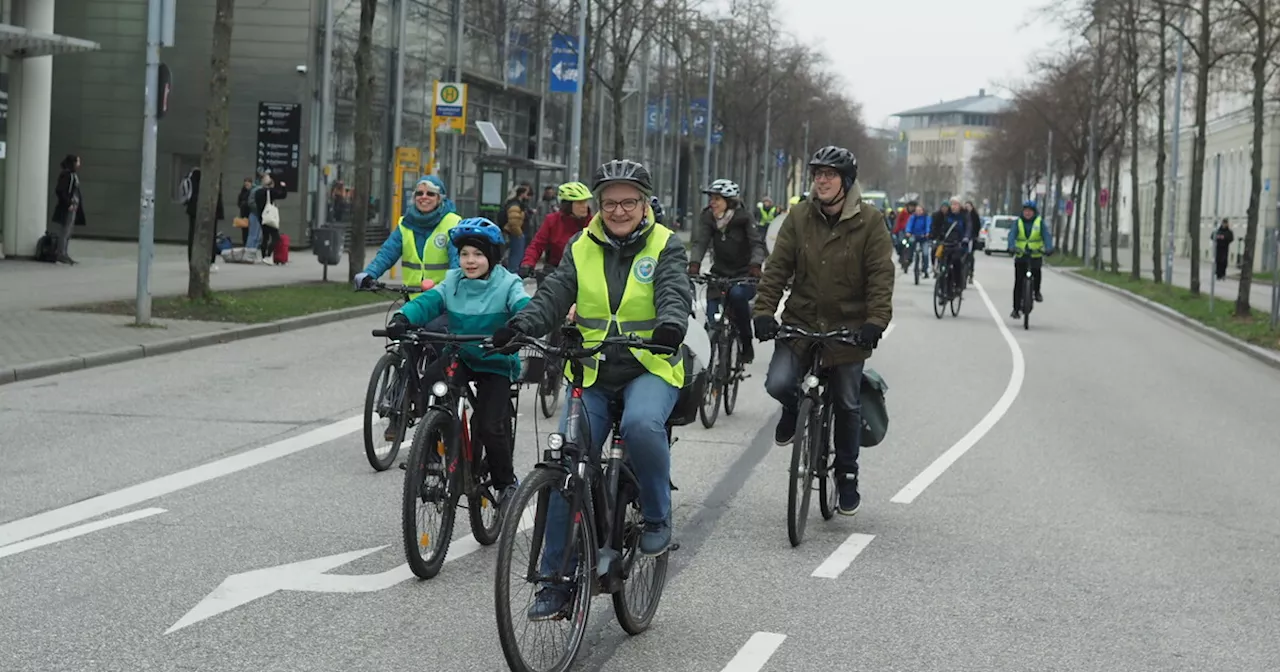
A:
(421, 240)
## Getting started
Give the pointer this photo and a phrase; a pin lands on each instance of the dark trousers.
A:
(783, 383)
(739, 310)
(1020, 265)
(1220, 263)
(270, 238)
(490, 419)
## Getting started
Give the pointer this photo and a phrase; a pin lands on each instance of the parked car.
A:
(995, 235)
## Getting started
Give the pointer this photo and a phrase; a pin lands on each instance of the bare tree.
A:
(366, 79)
(217, 128)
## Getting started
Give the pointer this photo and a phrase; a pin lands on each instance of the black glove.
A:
(869, 334)
(667, 336)
(694, 268)
(754, 270)
(398, 326)
(503, 337)
(526, 271)
(766, 327)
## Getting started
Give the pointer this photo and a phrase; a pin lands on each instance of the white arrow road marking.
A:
(843, 556)
(25, 528)
(309, 576)
(931, 473)
(73, 532)
(755, 653)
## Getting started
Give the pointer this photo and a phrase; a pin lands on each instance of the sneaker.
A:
(850, 500)
(549, 604)
(506, 493)
(786, 428)
(748, 353)
(1039, 297)
(655, 538)
(1015, 314)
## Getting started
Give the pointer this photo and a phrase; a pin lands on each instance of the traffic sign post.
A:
(449, 113)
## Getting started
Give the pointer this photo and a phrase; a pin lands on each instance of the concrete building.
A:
(1228, 151)
(941, 140)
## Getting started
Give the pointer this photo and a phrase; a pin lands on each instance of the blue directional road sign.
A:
(564, 64)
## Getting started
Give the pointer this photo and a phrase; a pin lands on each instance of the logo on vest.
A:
(440, 241)
(644, 268)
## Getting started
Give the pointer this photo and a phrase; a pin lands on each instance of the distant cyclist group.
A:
(614, 306)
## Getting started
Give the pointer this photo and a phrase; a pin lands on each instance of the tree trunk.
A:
(1196, 196)
(1077, 210)
(1055, 220)
(1113, 209)
(216, 130)
(1162, 76)
(365, 81)
(619, 80)
(1135, 205)
(1260, 58)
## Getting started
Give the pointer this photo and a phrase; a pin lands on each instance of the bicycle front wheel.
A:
(710, 408)
(729, 366)
(387, 399)
(940, 296)
(555, 641)
(800, 489)
(430, 498)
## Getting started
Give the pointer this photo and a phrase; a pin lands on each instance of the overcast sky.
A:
(901, 59)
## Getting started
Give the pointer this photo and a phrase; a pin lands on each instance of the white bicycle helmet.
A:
(725, 188)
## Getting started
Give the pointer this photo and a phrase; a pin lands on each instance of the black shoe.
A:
(786, 428)
(748, 353)
(1039, 297)
(1015, 314)
(850, 500)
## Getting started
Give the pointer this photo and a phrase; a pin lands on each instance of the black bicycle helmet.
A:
(838, 158)
(623, 170)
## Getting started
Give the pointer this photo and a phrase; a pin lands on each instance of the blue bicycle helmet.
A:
(480, 233)
(1029, 204)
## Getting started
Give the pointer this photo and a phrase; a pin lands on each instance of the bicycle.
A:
(921, 254)
(725, 365)
(946, 290)
(604, 523)
(812, 452)
(1028, 294)
(392, 392)
(456, 466)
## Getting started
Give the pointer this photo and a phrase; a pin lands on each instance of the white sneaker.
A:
(213, 268)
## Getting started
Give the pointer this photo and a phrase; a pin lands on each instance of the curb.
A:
(1261, 354)
(52, 367)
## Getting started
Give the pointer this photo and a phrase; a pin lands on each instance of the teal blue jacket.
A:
(475, 307)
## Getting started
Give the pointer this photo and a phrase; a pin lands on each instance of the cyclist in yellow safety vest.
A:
(420, 241)
(1029, 242)
(627, 274)
(766, 212)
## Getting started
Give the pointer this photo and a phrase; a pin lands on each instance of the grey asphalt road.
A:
(1122, 515)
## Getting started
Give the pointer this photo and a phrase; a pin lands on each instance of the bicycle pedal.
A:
(675, 546)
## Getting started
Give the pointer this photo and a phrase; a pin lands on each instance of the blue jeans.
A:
(647, 403)
(739, 311)
(783, 383)
(516, 244)
(255, 232)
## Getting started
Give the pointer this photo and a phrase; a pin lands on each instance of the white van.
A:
(995, 235)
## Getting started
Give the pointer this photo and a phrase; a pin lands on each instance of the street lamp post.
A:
(711, 103)
(1177, 141)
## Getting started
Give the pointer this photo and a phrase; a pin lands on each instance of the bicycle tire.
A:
(955, 304)
(916, 263)
(732, 376)
(538, 481)
(385, 363)
(1026, 304)
(828, 493)
(939, 291)
(713, 390)
(800, 490)
(438, 426)
(629, 501)
(482, 500)
(549, 389)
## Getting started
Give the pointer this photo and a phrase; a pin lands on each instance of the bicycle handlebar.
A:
(788, 332)
(582, 352)
(419, 335)
(406, 290)
(708, 279)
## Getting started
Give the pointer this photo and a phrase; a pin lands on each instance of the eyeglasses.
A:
(825, 174)
(627, 205)
(420, 194)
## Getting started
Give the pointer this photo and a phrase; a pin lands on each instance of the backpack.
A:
(185, 189)
(47, 248)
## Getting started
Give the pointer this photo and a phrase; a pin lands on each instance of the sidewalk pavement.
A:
(1224, 290)
(107, 271)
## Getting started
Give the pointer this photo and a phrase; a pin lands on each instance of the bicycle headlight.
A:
(555, 441)
(810, 382)
(439, 388)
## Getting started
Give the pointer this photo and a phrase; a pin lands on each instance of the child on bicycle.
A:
(477, 298)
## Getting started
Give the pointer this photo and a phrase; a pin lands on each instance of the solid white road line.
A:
(73, 532)
(931, 474)
(755, 653)
(25, 528)
(842, 557)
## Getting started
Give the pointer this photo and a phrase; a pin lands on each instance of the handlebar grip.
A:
(381, 333)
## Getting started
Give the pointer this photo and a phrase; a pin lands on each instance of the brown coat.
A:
(840, 276)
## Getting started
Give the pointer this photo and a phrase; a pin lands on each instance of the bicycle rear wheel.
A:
(429, 503)
(643, 577)
(559, 639)
(710, 408)
(386, 399)
(800, 489)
